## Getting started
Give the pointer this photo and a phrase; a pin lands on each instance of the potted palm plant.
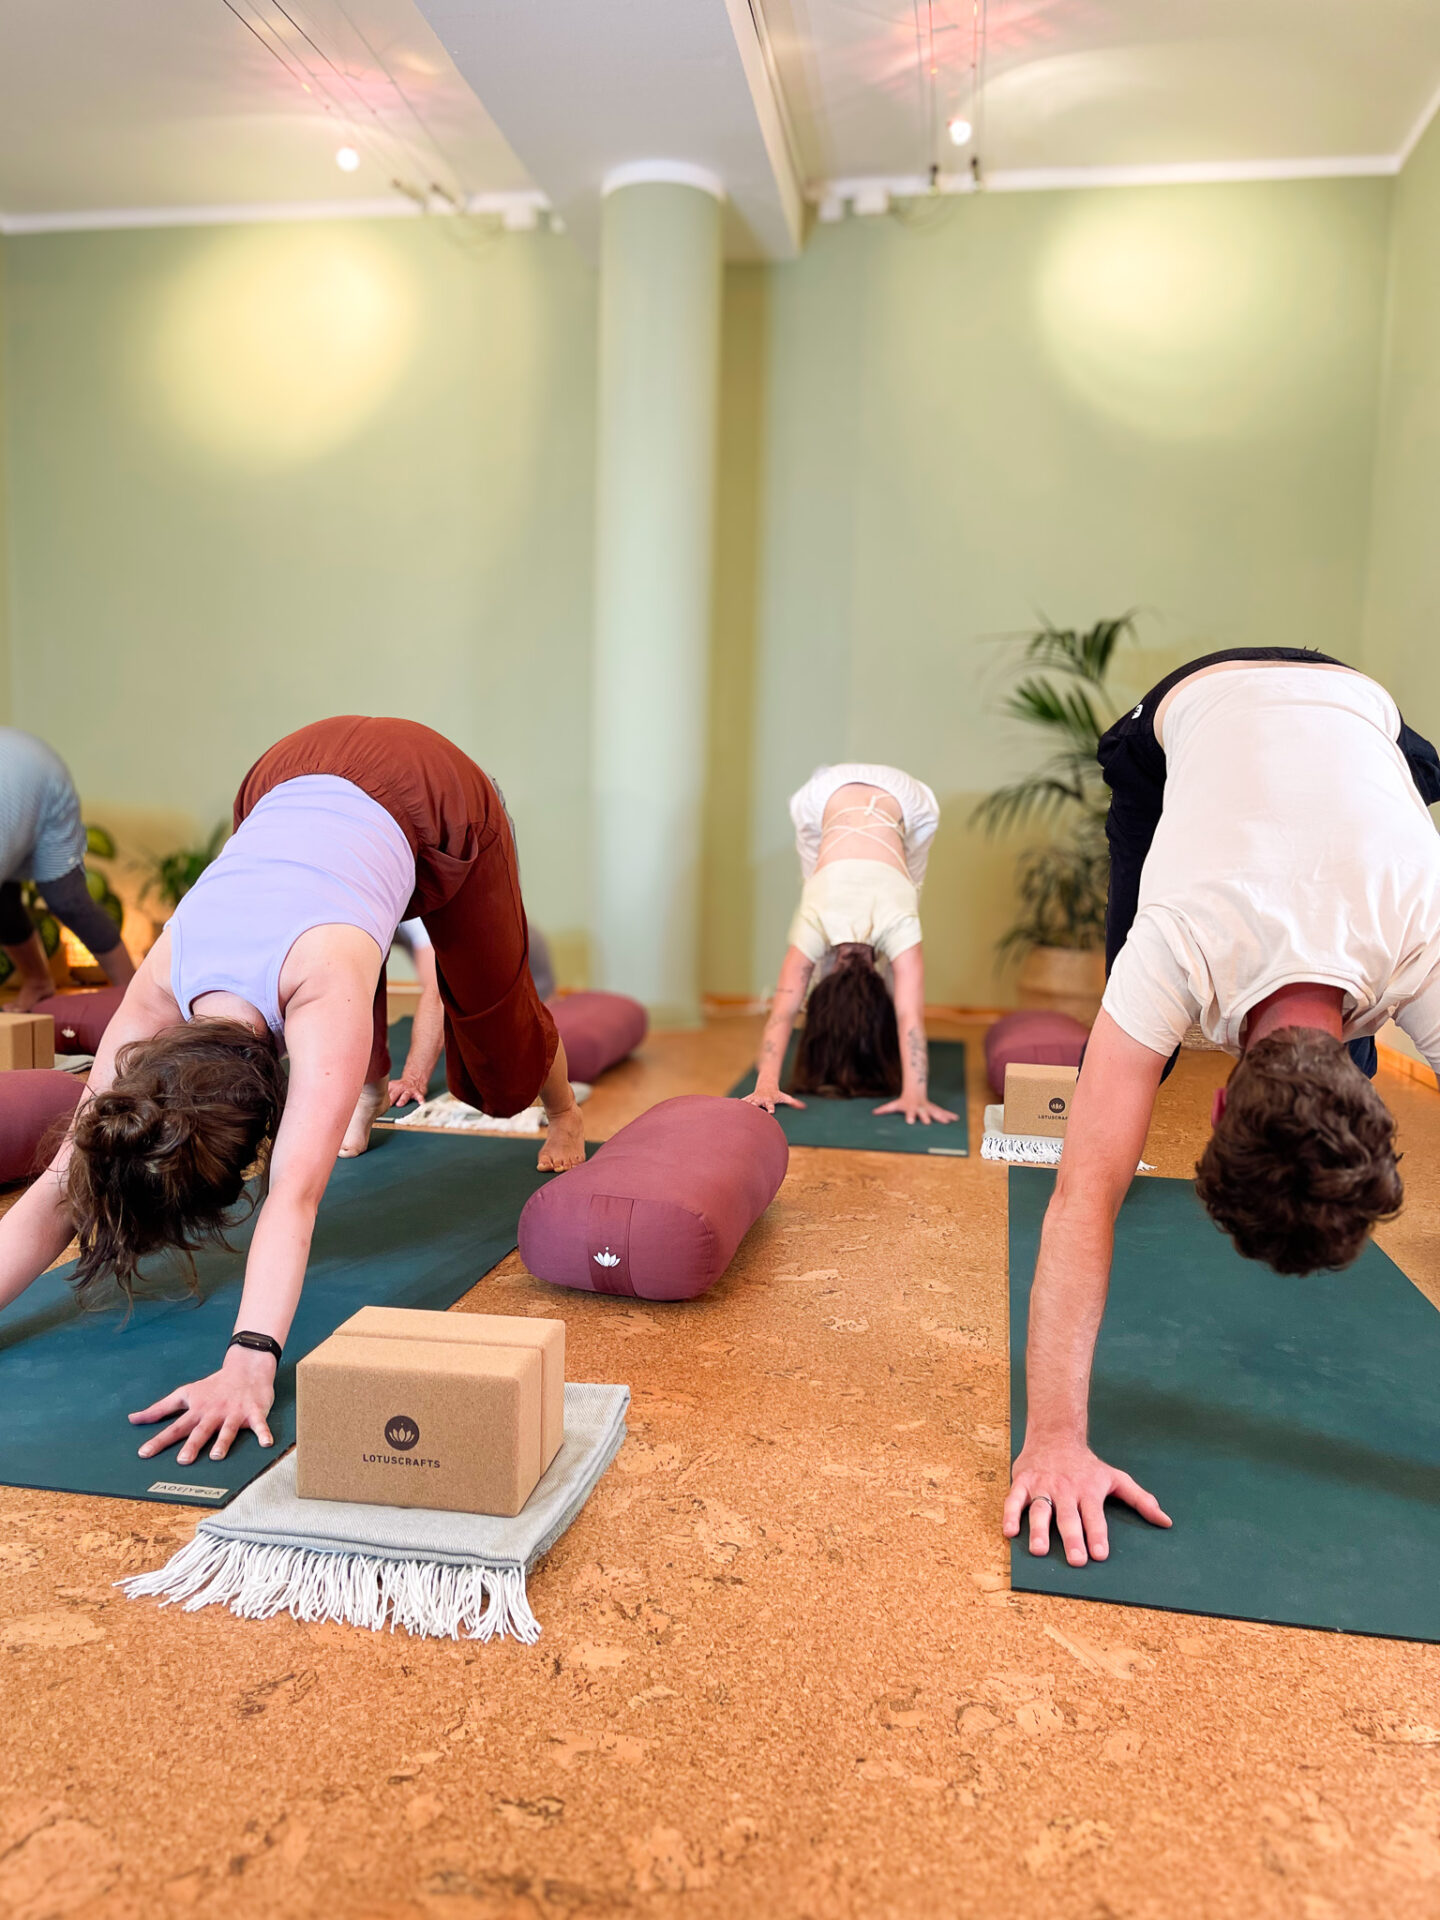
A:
(1062, 883)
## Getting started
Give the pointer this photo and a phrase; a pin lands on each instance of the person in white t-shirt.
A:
(863, 834)
(1275, 879)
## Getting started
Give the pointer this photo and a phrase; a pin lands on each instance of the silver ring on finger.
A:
(1042, 1498)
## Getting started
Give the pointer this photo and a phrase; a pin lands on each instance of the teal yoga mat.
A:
(852, 1123)
(1290, 1427)
(413, 1223)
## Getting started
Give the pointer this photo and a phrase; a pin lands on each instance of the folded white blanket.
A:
(437, 1574)
(446, 1111)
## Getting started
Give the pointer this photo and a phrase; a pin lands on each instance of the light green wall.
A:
(263, 474)
(1063, 404)
(1402, 615)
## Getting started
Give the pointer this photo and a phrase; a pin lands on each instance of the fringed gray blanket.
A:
(445, 1575)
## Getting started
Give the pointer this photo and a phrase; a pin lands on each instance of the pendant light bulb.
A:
(959, 129)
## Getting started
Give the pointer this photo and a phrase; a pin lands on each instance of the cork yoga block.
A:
(460, 1413)
(31, 1103)
(26, 1040)
(659, 1211)
(486, 1330)
(598, 1030)
(81, 1018)
(1033, 1037)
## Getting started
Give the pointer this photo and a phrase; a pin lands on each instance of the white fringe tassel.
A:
(423, 1596)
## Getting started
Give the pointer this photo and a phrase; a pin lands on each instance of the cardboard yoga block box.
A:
(1037, 1099)
(26, 1040)
(401, 1407)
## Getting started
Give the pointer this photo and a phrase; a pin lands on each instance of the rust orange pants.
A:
(499, 1039)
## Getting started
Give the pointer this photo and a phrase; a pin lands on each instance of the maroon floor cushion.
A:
(1033, 1037)
(598, 1029)
(32, 1101)
(81, 1018)
(658, 1212)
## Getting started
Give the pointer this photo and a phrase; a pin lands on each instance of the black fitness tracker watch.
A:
(257, 1343)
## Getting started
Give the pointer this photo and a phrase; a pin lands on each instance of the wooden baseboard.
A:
(1411, 1069)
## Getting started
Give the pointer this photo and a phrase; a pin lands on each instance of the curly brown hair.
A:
(1302, 1165)
(850, 1043)
(160, 1158)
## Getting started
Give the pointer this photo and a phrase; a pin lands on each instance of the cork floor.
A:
(781, 1670)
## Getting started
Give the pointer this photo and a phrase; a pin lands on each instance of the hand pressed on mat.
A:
(767, 1098)
(1068, 1484)
(219, 1408)
(917, 1105)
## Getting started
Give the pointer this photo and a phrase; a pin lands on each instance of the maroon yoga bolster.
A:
(32, 1099)
(658, 1212)
(598, 1030)
(1033, 1037)
(81, 1018)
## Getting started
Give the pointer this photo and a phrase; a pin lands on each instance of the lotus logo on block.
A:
(1057, 1105)
(402, 1432)
(607, 1259)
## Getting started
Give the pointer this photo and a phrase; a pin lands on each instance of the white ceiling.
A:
(109, 106)
(585, 87)
(1104, 83)
(177, 103)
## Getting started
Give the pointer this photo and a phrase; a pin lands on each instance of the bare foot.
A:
(564, 1142)
(30, 996)
(374, 1097)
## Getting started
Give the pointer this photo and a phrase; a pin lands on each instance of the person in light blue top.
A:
(42, 839)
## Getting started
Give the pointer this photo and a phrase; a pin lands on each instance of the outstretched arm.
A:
(795, 972)
(914, 1102)
(1056, 1475)
(328, 1037)
(427, 1035)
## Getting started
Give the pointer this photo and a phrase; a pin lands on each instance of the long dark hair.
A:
(161, 1156)
(851, 1041)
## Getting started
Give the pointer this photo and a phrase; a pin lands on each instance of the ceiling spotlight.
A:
(959, 129)
(347, 159)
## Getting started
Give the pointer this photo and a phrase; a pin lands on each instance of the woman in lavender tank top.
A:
(341, 830)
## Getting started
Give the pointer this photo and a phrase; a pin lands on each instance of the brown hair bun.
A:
(160, 1158)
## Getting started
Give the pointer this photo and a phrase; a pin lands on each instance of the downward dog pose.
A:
(339, 829)
(1274, 876)
(42, 839)
(863, 834)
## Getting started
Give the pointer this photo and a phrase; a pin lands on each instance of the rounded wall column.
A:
(660, 292)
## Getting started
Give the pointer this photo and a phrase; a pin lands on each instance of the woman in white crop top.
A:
(863, 835)
(341, 830)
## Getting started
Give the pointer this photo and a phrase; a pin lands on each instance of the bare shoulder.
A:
(329, 963)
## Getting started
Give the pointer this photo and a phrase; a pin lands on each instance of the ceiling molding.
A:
(393, 206)
(1421, 127)
(1198, 173)
(663, 173)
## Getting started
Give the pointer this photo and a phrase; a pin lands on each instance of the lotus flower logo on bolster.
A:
(607, 1259)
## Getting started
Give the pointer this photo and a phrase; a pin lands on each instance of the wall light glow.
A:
(1174, 315)
(277, 344)
(347, 159)
(959, 130)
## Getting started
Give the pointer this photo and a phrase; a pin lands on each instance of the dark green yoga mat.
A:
(852, 1123)
(413, 1223)
(1290, 1427)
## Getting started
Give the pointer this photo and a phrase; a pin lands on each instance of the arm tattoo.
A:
(919, 1056)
